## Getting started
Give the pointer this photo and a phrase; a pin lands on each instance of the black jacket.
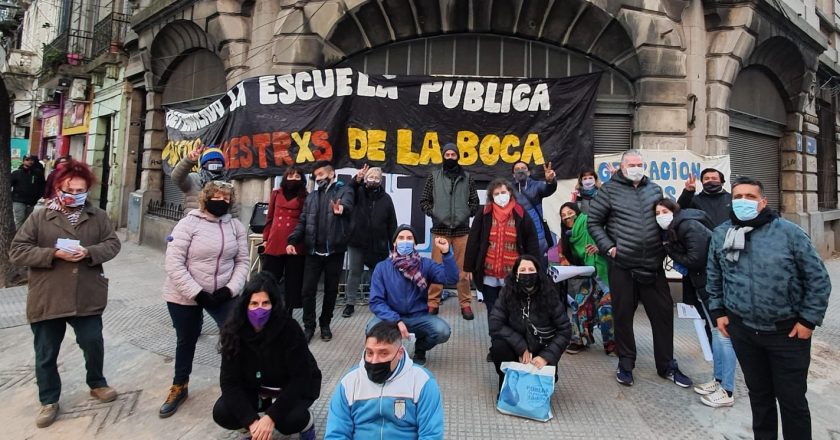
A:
(688, 244)
(622, 216)
(509, 325)
(374, 222)
(321, 230)
(27, 185)
(717, 205)
(478, 242)
(281, 356)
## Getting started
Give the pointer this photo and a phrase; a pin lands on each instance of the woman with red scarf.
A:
(284, 209)
(500, 233)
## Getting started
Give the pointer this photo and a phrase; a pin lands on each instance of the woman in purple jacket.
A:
(206, 266)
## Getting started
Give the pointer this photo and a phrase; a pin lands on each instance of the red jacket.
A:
(283, 215)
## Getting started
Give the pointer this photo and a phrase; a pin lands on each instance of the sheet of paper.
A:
(687, 311)
(67, 244)
(700, 327)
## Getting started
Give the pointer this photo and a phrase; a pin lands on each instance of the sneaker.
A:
(308, 333)
(676, 375)
(624, 377)
(177, 395)
(419, 358)
(575, 348)
(718, 399)
(489, 357)
(326, 333)
(349, 309)
(308, 434)
(704, 389)
(467, 313)
(46, 415)
(434, 310)
(104, 394)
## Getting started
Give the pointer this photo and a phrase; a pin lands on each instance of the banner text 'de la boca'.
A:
(400, 123)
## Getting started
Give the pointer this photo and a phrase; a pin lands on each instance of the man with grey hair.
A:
(768, 289)
(623, 223)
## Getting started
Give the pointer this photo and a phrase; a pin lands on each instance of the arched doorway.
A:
(191, 83)
(757, 118)
(489, 55)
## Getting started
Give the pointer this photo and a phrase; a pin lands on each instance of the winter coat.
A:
(717, 206)
(190, 184)
(276, 357)
(374, 222)
(530, 197)
(509, 325)
(688, 244)
(330, 230)
(281, 220)
(205, 254)
(27, 185)
(393, 296)
(778, 279)
(479, 239)
(58, 288)
(407, 407)
(622, 216)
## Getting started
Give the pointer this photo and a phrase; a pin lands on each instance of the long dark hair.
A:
(565, 232)
(230, 336)
(513, 297)
(301, 192)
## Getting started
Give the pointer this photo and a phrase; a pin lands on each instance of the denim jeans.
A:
(429, 330)
(187, 321)
(724, 360)
(355, 268)
(21, 212)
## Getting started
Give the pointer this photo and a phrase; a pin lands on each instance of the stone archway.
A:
(174, 41)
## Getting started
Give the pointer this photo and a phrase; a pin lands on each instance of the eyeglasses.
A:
(221, 184)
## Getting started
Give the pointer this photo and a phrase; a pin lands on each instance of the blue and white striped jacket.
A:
(407, 406)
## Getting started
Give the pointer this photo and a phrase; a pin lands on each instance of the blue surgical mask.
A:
(78, 199)
(405, 247)
(745, 209)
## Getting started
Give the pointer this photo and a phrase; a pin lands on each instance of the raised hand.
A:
(360, 176)
(550, 175)
(442, 245)
(691, 183)
(196, 153)
(337, 207)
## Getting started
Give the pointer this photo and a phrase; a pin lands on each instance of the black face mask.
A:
(380, 371)
(217, 207)
(712, 187)
(528, 280)
(450, 164)
(292, 185)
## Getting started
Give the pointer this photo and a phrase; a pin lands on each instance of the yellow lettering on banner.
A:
(304, 153)
(532, 150)
(357, 142)
(376, 145)
(508, 142)
(404, 154)
(431, 149)
(489, 150)
(467, 141)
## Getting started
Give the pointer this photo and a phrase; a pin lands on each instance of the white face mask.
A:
(664, 220)
(588, 183)
(502, 199)
(634, 173)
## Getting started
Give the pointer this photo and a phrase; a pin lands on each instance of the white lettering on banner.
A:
(474, 96)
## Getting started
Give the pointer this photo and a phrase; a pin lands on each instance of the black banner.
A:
(399, 123)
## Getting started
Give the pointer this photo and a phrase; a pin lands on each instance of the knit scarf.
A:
(72, 214)
(578, 239)
(736, 236)
(410, 266)
(501, 249)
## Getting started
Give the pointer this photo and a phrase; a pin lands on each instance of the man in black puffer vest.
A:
(622, 221)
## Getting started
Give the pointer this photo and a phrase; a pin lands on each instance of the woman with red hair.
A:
(64, 246)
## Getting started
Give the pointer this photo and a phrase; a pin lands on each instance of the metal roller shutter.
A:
(757, 155)
(612, 133)
(171, 192)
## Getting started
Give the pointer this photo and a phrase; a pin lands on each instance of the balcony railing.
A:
(109, 33)
(72, 47)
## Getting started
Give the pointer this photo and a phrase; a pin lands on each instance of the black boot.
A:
(349, 309)
(177, 395)
(326, 333)
(308, 333)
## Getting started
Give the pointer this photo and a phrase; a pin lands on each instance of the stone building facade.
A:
(751, 79)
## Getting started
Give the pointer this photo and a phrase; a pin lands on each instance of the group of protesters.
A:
(754, 276)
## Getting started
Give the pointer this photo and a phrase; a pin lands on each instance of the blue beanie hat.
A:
(211, 153)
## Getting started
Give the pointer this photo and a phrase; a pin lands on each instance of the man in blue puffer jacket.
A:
(399, 291)
(768, 289)
(530, 193)
(387, 396)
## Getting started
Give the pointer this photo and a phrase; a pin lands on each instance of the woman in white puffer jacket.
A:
(206, 267)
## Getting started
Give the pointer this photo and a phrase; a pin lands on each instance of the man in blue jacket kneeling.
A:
(387, 395)
(399, 291)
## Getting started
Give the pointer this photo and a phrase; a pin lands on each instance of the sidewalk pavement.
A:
(587, 402)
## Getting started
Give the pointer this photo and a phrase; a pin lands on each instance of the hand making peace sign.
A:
(360, 176)
(550, 175)
(337, 207)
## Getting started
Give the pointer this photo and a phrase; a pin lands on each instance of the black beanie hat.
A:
(404, 227)
(450, 146)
